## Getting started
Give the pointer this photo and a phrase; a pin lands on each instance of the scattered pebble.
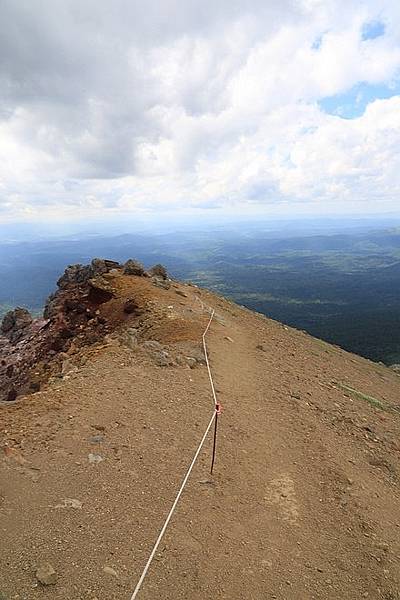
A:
(70, 503)
(110, 571)
(95, 458)
(46, 574)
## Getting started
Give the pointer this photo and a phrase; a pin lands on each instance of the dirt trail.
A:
(304, 501)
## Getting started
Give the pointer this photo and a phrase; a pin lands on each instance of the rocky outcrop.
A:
(31, 350)
(15, 323)
(158, 271)
(133, 267)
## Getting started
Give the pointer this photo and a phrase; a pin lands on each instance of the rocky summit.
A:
(32, 350)
(104, 402)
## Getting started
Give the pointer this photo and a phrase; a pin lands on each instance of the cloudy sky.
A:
(130, 106)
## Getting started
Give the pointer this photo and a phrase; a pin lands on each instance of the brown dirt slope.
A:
(304, 502)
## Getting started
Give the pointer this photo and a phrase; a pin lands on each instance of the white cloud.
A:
(129, 106)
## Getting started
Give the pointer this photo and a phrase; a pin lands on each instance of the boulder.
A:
(158, 271)
(16, 324)
(100, 290)
(100, 266)
(133, 267)
(75, 275)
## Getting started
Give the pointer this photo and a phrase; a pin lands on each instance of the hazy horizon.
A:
(31, 230)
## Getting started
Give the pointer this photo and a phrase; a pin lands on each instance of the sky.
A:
(136, 107)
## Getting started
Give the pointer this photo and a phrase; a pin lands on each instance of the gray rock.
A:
(99, 266)
(152, 345)
(198, 354)
(161, 283)
(134, 267)
(16, 320)
(74, 274)
(102, 265)
(181, 293)
(94, 459)
(191, 361)
(110, 571)
(161, 359)
(130, 338)
(46, 574)
(158, 271)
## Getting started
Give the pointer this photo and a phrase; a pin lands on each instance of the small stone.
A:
(97, 439)
(152, 345)
(191, 362)
(95, 458)
(383, 546)
(160, 282)
(161, 359)
(110, 571)
(46, 574)
(70, 503)
(131, 306)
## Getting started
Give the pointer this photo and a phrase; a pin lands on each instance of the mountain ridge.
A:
(304, 500)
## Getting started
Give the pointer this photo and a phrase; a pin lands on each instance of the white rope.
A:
(207, 361)
(185, 479)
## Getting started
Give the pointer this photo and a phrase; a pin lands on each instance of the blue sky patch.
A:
(372, 30)
(317, 43)
(352, 104)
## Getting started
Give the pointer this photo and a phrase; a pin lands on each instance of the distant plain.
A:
(340, 281)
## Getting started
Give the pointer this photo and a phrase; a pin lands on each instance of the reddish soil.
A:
(304, 501)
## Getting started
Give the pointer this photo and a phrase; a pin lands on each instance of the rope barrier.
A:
(185, 479)
(207, 361)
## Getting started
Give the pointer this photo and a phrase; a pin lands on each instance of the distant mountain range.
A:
(343, 287)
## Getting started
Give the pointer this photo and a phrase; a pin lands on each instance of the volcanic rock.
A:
(15, 322)
(158, 271)
(133, 267)
(32, 350)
